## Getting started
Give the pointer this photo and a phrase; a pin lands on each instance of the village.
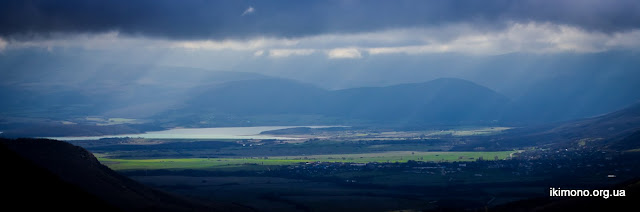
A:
(566, 166)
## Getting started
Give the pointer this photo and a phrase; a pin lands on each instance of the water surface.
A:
(200, 133)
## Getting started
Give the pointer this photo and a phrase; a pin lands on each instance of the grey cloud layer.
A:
(22, 19)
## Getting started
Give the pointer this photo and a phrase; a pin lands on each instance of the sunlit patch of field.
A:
(216, 163)
(470, 132)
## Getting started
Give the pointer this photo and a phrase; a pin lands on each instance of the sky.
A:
(340, 29)
(319, 40)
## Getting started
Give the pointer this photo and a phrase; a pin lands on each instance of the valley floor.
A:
(362, 172)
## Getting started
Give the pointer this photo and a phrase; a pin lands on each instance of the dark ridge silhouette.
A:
(57, 172)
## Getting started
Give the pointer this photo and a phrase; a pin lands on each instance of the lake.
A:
(200, 133)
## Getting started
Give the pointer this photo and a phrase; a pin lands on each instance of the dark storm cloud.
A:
(23, 19)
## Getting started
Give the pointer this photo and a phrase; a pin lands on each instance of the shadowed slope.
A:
(74, 166)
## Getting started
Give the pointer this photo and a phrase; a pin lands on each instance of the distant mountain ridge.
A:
(542, 88)
(188, 97)
(441, 101)
(445, 99)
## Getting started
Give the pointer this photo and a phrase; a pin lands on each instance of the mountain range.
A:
(189, 97)
(443, 101)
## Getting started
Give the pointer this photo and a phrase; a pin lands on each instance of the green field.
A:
(217, 163)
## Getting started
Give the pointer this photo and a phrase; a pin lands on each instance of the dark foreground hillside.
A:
(29, 187)
(47, 174)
